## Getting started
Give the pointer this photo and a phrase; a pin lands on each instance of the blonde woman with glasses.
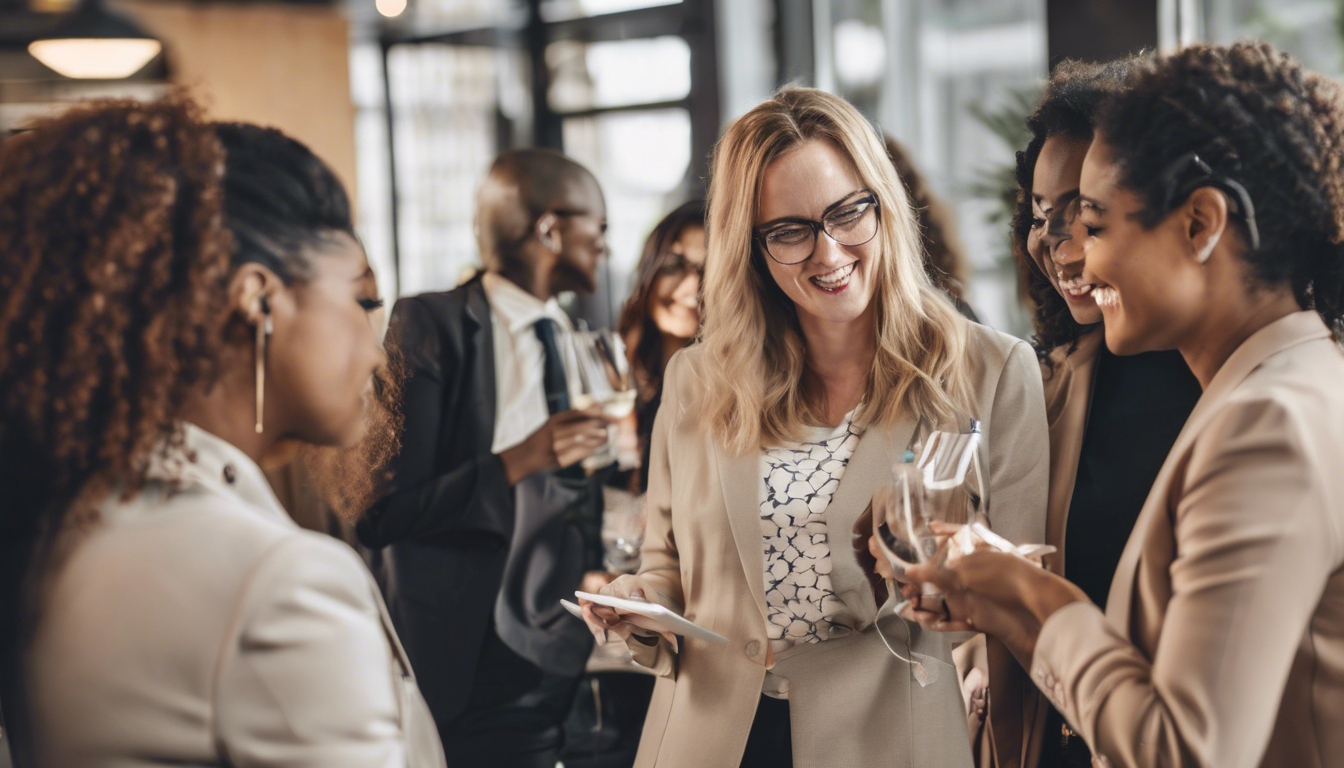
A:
(825, 346)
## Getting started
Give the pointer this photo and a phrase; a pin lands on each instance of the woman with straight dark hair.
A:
(1211, 216)
(179, 300)
(662, 315)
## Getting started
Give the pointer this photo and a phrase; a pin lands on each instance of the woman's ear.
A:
(1207, 212)
(251, 291)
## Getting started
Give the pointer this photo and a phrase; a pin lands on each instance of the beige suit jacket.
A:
(202, 627)
(851, 702)
(1223, 641)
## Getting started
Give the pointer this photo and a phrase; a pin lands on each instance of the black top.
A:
(1139, 404)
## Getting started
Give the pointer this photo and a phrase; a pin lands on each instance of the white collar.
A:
(519, 309)
(217, 465)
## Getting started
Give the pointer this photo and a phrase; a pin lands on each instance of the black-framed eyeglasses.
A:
(678, 266)
(849, 221)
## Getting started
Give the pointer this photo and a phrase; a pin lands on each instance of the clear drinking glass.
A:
(603, 378)
(933, 488)
(622, 530)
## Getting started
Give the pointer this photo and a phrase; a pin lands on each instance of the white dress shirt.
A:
(520, 359)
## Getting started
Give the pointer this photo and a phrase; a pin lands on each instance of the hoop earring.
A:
(263, 343)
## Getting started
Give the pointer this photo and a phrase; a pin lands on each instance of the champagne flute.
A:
(934, 488)
(603, 379)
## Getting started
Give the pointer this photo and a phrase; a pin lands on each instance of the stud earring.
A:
(263, 343)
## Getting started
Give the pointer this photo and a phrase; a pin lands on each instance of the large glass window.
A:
(622, 95)
(618, 73)
(445, 105)
(1311, 30)
(944, 77)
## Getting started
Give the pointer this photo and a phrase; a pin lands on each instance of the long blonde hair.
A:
(754, 359)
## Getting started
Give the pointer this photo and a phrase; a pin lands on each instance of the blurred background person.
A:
(825, 348)
(180, 300)
(1218, 645)
(487, 519)
(938, 230)
(662, 314)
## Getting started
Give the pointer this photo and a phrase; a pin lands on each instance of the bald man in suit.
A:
(487, 521)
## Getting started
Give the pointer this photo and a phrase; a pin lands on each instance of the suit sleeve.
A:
(1254, 549)
(422, 500)
(307, 679)
(660, 563)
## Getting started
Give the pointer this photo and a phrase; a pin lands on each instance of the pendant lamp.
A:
(93, 43)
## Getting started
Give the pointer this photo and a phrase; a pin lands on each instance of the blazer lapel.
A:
(480, 333)
(740, 479)
(869, 466)
(1068, 411)
(1297, 328)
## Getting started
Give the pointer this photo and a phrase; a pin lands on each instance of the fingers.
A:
(880, 564)
(593, 413)
(944, 579)
(597, 624)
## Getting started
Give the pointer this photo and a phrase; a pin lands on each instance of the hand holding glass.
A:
(603, 377)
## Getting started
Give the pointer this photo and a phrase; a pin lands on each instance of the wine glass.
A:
(932, 488)
(622, 530)
(603, 378)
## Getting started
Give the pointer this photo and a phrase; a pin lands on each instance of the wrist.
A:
(516, 463)
(1046, 593)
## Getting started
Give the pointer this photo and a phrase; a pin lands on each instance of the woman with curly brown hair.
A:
(1212, 220)
(1112, 419)
(177, 300)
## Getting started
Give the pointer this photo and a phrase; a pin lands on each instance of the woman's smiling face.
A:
(836, 284)
(1054, 243)
(1149, 289)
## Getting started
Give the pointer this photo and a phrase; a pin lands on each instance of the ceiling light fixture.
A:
(92, 43)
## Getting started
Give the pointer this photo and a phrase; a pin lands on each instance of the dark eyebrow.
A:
(824, 214)
(1064, 199)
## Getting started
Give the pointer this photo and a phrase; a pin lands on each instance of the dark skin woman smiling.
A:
(1213, 206)
(178, 300)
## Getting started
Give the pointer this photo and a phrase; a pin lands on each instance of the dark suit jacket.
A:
(463, 546)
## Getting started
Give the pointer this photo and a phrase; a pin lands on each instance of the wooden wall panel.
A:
(281, 65)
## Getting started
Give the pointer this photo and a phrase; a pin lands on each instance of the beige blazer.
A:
(1223, 641)
(200, 626)
(851, 702)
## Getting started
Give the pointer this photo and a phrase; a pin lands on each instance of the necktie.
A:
(553, 374)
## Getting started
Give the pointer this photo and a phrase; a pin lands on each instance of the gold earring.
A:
(263, 340)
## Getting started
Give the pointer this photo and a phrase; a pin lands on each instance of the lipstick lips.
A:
(836, 280)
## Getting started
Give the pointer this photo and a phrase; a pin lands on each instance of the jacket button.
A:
(753, 648)
(230, 474)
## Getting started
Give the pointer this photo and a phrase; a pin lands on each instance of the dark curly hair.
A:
(120, 224)
(1073, 95)
(1256, 116)
(942, 250)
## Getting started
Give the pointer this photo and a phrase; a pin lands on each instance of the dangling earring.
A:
(263, 342)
